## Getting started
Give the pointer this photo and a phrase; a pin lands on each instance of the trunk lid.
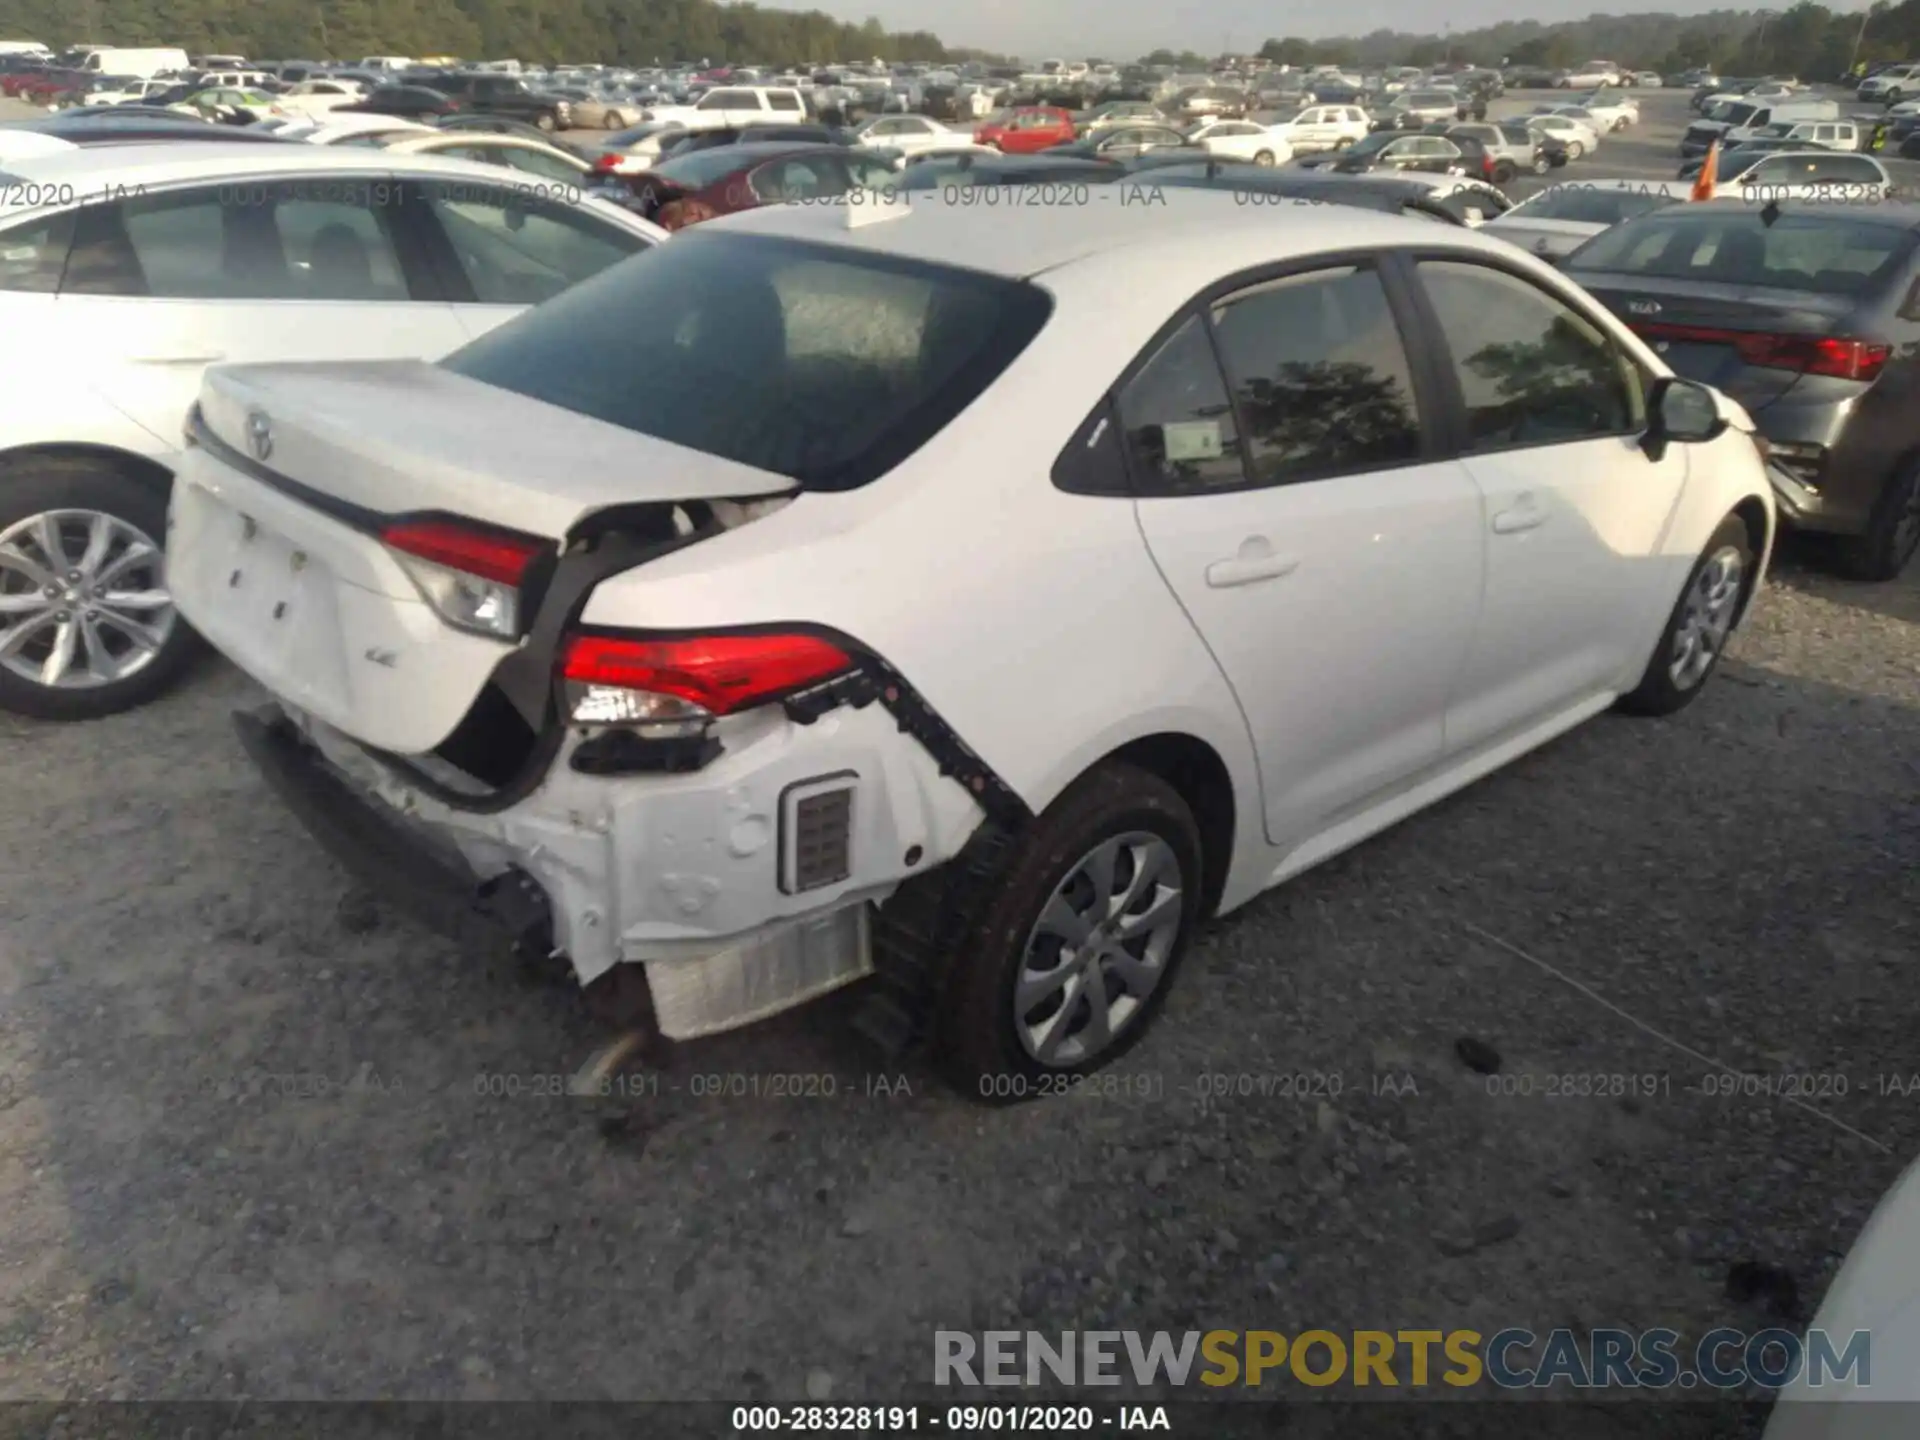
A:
(277, 558)
(1695, 325)
(404, 436)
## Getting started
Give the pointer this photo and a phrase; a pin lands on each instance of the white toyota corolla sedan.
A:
(967, 600)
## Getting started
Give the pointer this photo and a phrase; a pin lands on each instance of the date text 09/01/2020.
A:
(954, 1420)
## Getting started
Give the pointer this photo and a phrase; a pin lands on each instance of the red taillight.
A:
(719, 673)
(607, 162)
(1486, 166)
(489, 554)
(1841, 359)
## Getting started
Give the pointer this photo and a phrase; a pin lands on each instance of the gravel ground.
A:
(244, 1149)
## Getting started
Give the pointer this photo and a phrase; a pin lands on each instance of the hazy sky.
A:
(1124, 29)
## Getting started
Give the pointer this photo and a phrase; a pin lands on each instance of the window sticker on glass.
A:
(1188, 440)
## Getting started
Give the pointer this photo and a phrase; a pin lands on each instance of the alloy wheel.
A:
(83, 599)
(1707, 618)
(1099, 949)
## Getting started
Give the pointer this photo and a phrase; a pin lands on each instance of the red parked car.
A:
(31, 83)
(1027, 130)
(704, 184)
(47, 89)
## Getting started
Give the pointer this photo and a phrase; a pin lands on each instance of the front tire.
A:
(1265, 157)
(1076, 942)
(1575, 149)
(548, 123)
(1893, 532)
(1702, 621)
(613, 120)
(89, 631)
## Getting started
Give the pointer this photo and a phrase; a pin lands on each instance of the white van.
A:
(1734, 120)
(143, 64)
(386, 63)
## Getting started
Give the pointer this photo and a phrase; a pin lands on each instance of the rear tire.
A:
(39, 487)
(1265, 157)
(1575, 149)
(1699, 626)
(1893, 532)
(985, 1044)
(547, 122)
(613, 120)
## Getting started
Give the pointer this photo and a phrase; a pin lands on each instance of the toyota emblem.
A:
(259, 435)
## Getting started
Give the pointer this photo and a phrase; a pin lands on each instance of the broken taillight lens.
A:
(469, 574)
(669, 687)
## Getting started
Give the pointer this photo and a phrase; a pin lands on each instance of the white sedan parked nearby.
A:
(1579, 137)
(212, 252)
(908, 135)
(1244, 140)
(1613, 109)
(642, 611)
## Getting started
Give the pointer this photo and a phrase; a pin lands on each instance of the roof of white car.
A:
(118, 168)
(1207, 231)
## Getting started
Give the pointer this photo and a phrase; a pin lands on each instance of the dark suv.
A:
(1809, 316)
(507, 95)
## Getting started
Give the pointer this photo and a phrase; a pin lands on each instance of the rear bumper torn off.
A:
(541, 886)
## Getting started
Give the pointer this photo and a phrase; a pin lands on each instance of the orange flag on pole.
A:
(1703, 187)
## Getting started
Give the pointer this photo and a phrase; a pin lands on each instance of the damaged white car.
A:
(800, 603)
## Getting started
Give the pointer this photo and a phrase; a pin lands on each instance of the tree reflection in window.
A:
(1532, 372)
(1319, 375)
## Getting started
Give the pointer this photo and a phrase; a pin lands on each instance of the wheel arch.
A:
(141, 468)
(1762, 525)
(1195, 769)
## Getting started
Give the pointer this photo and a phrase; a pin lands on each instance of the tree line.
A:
(1808, 40)
(532, 31)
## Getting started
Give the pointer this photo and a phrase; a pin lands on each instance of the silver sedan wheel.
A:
(1707, 618)
(83, 599)
(1099, 949)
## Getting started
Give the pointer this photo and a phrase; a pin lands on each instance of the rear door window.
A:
(1320, 376)
(267, 240)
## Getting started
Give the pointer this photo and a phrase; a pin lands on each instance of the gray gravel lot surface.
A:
(245, 1149)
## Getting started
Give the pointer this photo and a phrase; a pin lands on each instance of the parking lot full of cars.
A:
(1374, 559)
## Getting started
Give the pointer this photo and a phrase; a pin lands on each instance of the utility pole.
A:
(1859, 36)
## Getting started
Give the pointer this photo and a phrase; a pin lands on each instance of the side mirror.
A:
(1680, 412)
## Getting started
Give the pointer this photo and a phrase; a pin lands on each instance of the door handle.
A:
(1255, 562)
(1524, 516)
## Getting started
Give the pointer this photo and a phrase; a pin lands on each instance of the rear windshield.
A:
(1589, 206)
(824, 364)
(1831, 254)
